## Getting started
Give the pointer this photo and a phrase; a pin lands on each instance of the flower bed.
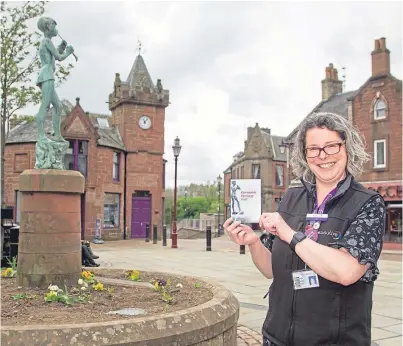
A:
(177, 311)
(91, 300)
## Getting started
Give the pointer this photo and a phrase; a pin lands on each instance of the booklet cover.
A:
(246, 200)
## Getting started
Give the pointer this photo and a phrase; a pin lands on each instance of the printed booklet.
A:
(246, 200)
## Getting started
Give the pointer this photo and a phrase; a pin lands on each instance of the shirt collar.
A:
(342, 186)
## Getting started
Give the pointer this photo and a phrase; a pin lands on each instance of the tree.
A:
(19, 64)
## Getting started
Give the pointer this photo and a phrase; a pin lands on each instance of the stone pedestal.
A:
(50, 228)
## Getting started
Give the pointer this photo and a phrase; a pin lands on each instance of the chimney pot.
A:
(382, 43)
(377, 45)
(328, 73)
(77, 100)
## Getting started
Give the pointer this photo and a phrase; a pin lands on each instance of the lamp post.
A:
(219, 179)
(176, 149)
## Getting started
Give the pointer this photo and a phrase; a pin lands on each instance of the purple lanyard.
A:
(321, 208)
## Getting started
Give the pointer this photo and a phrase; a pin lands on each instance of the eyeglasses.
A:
(329, 149)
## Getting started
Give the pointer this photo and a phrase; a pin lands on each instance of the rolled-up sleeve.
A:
(364, 237)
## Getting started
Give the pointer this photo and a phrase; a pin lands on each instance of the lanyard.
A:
(321, 208)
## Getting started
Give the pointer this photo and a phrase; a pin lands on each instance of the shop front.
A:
(392, 194)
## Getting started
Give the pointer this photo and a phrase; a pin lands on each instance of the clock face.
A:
(145, 122)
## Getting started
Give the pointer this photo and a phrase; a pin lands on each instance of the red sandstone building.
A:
(120, 156)
(376, 110)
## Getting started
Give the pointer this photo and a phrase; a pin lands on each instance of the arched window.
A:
(379, 110)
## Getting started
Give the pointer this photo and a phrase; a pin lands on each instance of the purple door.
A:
(141, 215)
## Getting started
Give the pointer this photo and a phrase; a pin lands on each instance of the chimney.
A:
(250, 130)
(380, 58)
(331, 85)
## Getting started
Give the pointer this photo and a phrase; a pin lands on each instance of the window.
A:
(256, 171)
(279, 175)
(380, 153)
(116, 166)
(103, 123)
(76, 156)
(379, 110)
(17, 207)
(111, 210)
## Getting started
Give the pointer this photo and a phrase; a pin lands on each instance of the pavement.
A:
(237, 272)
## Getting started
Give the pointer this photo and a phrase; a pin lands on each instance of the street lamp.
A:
(282, 147)
(219, 179)
(177, 149)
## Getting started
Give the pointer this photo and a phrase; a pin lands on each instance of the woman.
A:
(322, 244)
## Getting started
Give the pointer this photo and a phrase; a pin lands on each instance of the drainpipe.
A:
(124, 198)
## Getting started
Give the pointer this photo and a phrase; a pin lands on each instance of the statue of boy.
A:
(46, 79)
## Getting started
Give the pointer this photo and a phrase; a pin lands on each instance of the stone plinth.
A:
(50, 228)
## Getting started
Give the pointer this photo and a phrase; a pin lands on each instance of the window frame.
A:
(259, 175)
(376, 142)
(17, 209)
(376, 109)
(116, 166)
(275, 175)
(118, 219)
(75, 154)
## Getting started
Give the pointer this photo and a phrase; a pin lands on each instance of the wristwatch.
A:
(298, 237)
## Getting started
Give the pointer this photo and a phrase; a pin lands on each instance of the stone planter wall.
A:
(213, 323)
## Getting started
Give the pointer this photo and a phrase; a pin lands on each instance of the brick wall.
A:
(18, 157)
(390, 128)
(102, 163)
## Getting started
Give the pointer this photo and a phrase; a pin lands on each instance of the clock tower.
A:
(138, 111)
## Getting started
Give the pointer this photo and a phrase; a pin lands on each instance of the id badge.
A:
(305, 279)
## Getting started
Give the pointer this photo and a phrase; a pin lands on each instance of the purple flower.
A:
(162, 283)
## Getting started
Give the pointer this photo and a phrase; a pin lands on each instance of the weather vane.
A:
(139, 46)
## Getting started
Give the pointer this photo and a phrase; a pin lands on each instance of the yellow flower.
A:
(98, 287)
(6, 272)
(52, 293)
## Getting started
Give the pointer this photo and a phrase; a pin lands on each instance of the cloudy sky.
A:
(227, 65)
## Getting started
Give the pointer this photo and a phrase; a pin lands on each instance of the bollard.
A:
(155, 234)
(164, 235)
(242, 249)
(208, 238)
(147, 232)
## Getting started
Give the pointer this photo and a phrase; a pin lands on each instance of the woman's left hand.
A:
(275, 224)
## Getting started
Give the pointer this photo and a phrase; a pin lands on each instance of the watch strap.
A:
(298, 237)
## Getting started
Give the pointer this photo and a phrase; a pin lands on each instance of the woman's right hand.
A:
(239, 233)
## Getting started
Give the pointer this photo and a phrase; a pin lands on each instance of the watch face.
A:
(145, 122)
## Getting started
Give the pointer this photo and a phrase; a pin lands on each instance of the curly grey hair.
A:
(354, 142)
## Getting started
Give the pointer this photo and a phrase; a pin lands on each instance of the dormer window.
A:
(76, 156)
(379, 110)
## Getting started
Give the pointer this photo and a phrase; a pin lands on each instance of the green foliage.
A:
(133, 275)
(13, 263)
(197, 285)
(23, 296)
(201, 198)
(56, 294)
